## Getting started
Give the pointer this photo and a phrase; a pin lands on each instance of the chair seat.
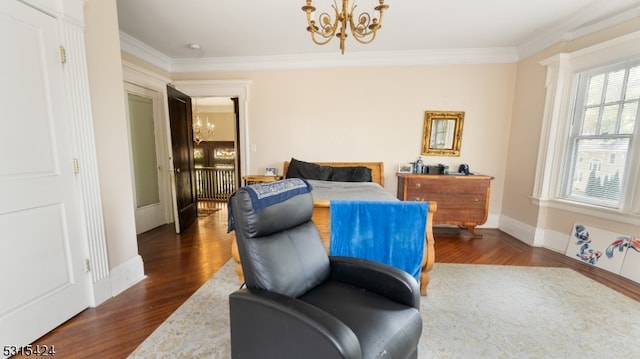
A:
(385, 329)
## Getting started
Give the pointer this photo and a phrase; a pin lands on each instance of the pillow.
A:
(308, 170)
(314, 171)
(351, 174)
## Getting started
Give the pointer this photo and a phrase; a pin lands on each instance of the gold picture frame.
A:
(442, 133)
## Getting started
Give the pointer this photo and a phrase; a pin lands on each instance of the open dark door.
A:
(239, 174)
(183, 163)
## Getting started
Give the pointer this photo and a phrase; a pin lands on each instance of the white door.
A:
(149, 173)
(42, 271)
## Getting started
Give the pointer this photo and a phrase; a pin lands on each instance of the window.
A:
(589, 152)
(601, 136)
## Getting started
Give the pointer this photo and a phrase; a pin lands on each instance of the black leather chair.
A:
(301, 303)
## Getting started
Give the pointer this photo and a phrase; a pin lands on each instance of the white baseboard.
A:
(556, 241)
(126, 275)
(101, 292)
(536, 237)
(520, 230)
(493, 221)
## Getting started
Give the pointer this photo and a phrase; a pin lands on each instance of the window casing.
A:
(583, 113)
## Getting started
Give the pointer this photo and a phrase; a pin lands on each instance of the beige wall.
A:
(377, 114)
(104, 66)
(528, 107)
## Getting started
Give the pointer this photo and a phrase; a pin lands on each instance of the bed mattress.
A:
(332, 190)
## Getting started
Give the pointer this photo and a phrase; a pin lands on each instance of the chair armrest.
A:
(382, 279)
(270, 325)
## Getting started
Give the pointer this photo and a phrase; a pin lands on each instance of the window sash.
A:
(601, 138)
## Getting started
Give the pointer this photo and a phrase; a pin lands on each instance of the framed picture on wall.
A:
(224, 153)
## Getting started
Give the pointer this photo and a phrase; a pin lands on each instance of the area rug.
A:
(472, 311)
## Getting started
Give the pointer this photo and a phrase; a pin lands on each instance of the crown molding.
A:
(137, 48)
(142, 51)
(589, 28)
(360, 59)
(568, 31)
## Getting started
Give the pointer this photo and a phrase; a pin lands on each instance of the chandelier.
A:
(364, 29)
(202, 132)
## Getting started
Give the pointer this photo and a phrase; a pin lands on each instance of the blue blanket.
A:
(267, 194)
(391, 232)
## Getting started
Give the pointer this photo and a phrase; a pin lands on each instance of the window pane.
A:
(614, 86)
(590, 124)
(598, 179)
(633, 86)
(594, 94)
(628, 118)
(609, 120)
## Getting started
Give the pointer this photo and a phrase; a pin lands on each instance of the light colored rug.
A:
(472, 311)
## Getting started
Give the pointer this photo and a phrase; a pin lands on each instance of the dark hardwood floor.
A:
(177, 265)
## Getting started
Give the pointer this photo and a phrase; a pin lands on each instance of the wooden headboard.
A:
(377, 168)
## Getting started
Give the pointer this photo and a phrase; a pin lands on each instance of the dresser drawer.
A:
(461, 200)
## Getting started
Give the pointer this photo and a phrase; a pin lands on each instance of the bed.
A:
(324, 191)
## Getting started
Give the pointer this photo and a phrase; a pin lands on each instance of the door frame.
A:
(226, 88)
(138, 76)
(164, 186)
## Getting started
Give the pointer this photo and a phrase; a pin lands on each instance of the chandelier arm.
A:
(322, 31)
(366, 29)
(325, 31)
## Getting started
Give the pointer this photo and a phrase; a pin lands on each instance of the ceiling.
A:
(252, 34)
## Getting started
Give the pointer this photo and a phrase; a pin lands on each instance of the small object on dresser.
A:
(405, 168)
(464, 168)
(417, 168)
(270, 171)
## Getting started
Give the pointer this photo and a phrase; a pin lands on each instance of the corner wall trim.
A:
(126, 275)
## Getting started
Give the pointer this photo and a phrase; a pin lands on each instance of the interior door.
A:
(42, 271)
(239, 144)
(183, 163)
(148, 170)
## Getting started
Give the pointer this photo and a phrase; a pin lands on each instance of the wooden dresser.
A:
(462, 200)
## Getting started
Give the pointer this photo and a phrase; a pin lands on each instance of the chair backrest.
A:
(280, 247)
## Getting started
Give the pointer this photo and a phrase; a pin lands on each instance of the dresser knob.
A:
(418, 185)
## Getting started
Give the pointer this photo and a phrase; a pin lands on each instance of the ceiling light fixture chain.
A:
(364, 30)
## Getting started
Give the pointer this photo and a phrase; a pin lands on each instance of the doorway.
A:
(215, 123)
(146, 140)
(237, 91)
